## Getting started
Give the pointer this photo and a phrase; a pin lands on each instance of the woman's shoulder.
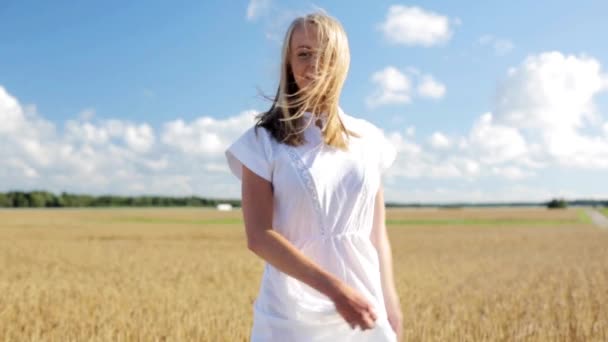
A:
(256, 137)
(258, 133)
(360, 125)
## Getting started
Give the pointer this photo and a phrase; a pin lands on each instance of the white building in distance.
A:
(224, 207)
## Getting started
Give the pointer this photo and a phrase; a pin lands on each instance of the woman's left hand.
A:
(395, 316)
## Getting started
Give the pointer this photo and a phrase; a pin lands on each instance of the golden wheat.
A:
(186, 275)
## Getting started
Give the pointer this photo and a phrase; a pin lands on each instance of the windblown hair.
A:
(285, 118)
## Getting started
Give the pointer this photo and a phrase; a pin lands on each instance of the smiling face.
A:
(314, 63)
(303, 53)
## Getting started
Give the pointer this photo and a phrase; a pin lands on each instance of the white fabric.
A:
(324, 205)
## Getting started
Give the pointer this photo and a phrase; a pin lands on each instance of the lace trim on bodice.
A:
(308, 182)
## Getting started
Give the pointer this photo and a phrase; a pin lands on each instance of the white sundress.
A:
(323, 204)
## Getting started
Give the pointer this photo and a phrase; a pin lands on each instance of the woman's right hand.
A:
(354, 308)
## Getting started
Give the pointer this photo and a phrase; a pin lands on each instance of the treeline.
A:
(588, 203)
(45, 199)
(554, 203)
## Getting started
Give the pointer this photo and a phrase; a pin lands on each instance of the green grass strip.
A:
(156, 220)
(582, 218)
(465, 222)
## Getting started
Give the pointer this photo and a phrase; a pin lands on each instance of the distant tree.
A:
(5, 201)
(20, 199)
(557, 203)
(41, 199)
(38, 199)
(52, 200)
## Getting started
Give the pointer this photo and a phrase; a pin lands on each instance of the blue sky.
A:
(485, 101)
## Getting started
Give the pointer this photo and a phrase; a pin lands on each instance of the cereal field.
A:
(186, 275)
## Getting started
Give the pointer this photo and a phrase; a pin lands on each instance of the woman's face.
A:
(303, 54)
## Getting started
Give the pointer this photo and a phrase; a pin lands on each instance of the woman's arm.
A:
(263, 240)
(380, 240)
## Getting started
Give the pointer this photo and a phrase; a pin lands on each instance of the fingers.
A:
(368, 321)
(365, 320)
(373, 315)
(356, 310)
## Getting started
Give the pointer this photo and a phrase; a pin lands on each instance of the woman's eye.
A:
(304, 54)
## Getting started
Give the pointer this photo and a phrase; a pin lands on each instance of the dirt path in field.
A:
(598, 218)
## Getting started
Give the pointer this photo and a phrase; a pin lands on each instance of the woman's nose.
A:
(310, 68)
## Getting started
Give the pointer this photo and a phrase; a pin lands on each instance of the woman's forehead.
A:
(304, 35)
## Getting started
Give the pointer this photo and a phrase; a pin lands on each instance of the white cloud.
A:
(512, 172)
(439, 141)
(411, 131)
(393, 86)
(550, 98)
(257, 8)
(496, 143)
(115, 156)
(87, 114)
(11, 113)
(544, 119)
(444, 171)
(429, 87)
(415, 26)
(396, 87)
(416, 162)
(471, 167)
(501, 46)
(550, 90)
(273, 17)
(22, 167)
(473, 193)
(205, 135)
(573, 149)
(140, 138)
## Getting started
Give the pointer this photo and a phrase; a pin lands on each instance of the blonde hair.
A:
(321, 95)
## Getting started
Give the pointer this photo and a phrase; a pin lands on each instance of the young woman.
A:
(313, 201)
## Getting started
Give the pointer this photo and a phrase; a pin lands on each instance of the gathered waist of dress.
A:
(335, 236)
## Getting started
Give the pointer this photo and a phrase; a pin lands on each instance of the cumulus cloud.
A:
(205, 135)
(392, 86)
(501, 46)
(494, 143)
(550, 90)
(550, 97)
(416, 162)
(512, 172)
(411, 25)
(411, 131)
(115, 156)
(439, 141)
(544, 118)
(429, 87)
